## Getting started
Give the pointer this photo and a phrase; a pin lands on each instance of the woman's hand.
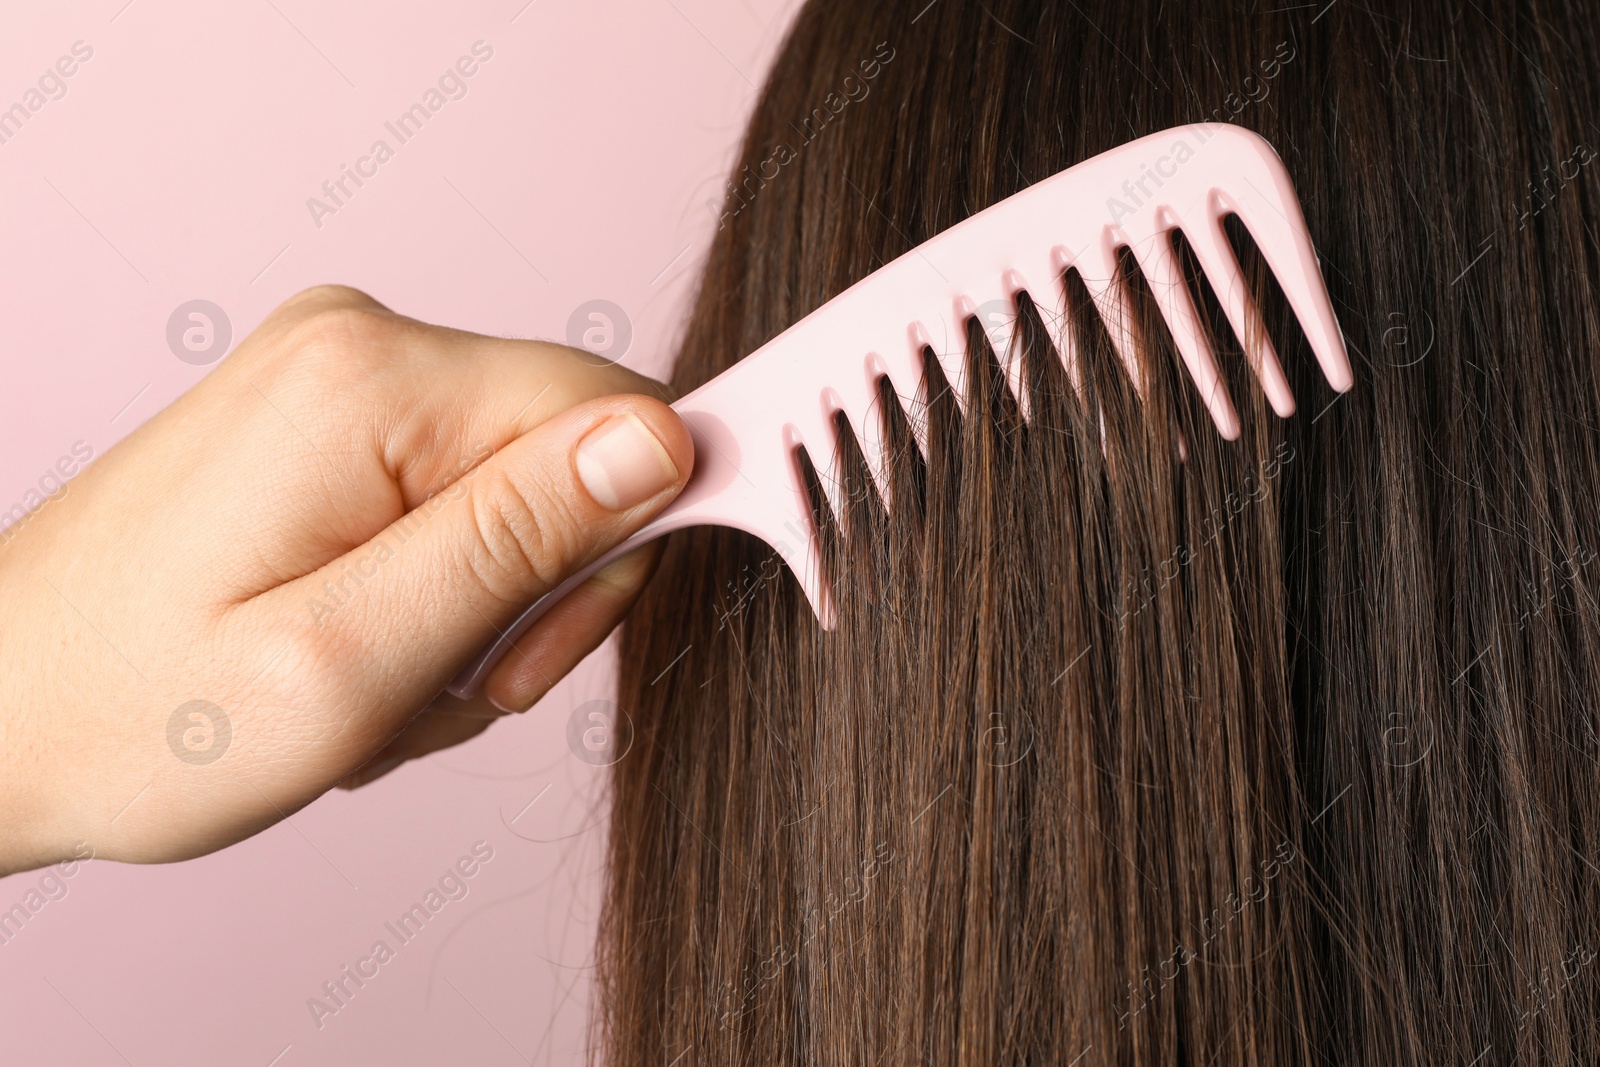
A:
(255, 594)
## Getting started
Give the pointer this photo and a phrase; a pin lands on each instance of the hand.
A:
(257, 592)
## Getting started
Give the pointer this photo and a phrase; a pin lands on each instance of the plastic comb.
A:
(749, 422)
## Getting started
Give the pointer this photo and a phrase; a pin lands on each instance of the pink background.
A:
(176, 167)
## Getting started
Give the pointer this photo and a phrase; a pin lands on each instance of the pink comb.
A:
(749, 421)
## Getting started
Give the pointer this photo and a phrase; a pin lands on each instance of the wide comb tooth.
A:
(1159, 264)
(1275, 221)
(857, 397)
(921, 397)
(966, 309)
(902, 362)
(1058, 319)
(1102, 278)
(1221, 267)
(946, 336)
(822, 445)
(796, 537)
(1000, 318)
(873, 430)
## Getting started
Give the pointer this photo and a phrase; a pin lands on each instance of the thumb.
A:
(420, 598)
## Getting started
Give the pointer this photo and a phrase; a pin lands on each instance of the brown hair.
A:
(1285, 753)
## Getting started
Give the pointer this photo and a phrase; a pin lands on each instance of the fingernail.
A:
(621, 463)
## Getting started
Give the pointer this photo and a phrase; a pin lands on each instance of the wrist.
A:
(28, 838)
(30, 816)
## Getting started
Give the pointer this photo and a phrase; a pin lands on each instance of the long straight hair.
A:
(1284, 752)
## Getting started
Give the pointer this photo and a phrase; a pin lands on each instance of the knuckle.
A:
(345, 331)
(520, 543)
(338, 348)
(327, 295)
(318, 298)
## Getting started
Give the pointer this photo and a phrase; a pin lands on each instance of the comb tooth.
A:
(915, 401)
(1160, 266)
(1097, 266)
(1288, 251)
(804, 556)
(1009, 349)
(1110, 297)
(949, 343)
(825, 455)
(813, 431)
(872, 429)
(858, 398)
(1058, 318)
(996, 317)
(901, 363)
(809, 568)
(1221, 267)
